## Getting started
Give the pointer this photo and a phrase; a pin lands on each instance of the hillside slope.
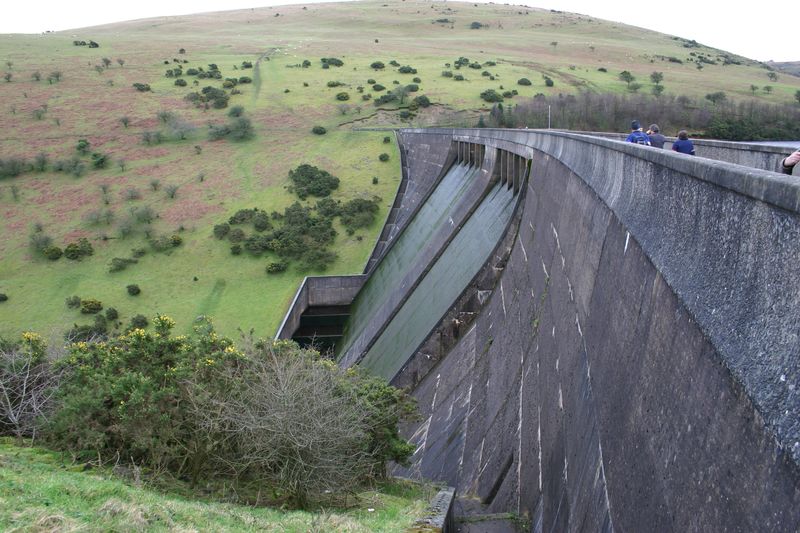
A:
(213, 179)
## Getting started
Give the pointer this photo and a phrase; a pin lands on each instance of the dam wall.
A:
(636, 365)
(600, 336)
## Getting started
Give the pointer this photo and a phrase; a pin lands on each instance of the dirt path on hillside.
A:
(257, 71)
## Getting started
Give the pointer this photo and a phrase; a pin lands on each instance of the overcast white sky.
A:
(764, 31)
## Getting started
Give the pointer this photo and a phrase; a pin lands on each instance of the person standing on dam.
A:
(683, 145)
(788, 163)
(637, 136)
(656, 139)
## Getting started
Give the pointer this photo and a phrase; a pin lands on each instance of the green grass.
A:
(236, 290)
(40, 492)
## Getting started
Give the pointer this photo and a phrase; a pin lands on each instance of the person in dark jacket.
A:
(788, 163)
(637, 136)
(656, 139)
(683, 145)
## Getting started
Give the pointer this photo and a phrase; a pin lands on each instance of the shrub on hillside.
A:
(73, 302)
(90, 306)
(383, 157)
(318, 130)
(112, 314)
(118, 264)
(359, 213)
(242, 216)
(377, 87)
(237, 129)
(53, 253)
(343, 96)
(78, 250)
(328, 208)
(221, 230)
(308, 180)
(524, 81)
(13, 167)
(261, 221)
(332, 61)
(276, 267)
(405, 69)
(385, 99)
(490, 95)
(317, 259)
(236, 235)
(3, 297)
(133, 289)
(139, 322)
(142, 87)
(180, 82)
(422, 101)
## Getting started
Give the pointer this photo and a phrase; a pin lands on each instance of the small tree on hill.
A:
(716, 97)
(657, 78)
(627, 77)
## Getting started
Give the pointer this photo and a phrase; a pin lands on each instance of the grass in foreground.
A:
(40, 492)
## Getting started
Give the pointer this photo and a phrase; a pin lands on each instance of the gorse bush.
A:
(78, 250)
(359, 213)
(90, 306)
(490, 95)
(198, 406)
(308, 180)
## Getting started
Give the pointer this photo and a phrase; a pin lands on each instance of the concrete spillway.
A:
(606, 339)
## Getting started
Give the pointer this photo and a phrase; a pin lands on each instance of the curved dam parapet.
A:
(621, 354)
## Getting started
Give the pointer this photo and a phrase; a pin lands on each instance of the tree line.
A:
(714, 116)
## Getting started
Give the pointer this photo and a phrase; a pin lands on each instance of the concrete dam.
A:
(600, 336)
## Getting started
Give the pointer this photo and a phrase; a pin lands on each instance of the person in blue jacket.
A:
(683, 145)
(637, 136)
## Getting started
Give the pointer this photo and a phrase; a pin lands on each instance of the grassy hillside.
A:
(38, 492)
(284, 101)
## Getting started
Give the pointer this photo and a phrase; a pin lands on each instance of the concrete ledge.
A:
(768, 186)
(439, 516)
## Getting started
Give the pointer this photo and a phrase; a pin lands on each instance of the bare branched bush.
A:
(292, 423)
(28, 384)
